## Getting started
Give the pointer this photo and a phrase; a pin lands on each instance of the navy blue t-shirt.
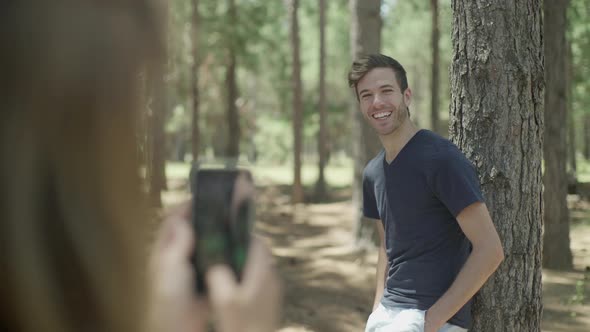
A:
(418, 197)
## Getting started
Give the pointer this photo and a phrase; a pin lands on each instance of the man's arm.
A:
(381, 265)
(486, 256)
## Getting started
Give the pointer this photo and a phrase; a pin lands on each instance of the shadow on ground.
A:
(329, 284)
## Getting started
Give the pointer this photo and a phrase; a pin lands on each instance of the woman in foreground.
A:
(74, 249)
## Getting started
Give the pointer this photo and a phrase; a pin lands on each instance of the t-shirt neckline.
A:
(401, 152)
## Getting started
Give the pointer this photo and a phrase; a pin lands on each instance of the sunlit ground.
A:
(336, 175)
(329, 283)
(566, 294)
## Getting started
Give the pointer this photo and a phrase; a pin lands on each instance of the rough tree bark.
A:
(497, 120)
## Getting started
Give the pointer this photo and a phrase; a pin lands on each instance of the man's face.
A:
(382, 102)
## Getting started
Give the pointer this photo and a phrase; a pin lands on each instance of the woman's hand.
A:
(175, 305)
(254, 304)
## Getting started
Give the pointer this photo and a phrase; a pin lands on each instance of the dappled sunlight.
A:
(557, 278)
(329, 281)
(566, 294)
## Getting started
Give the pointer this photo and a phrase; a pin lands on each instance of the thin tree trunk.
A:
(233, 120)
(365, 38)
(571, 133)
(556, 244)
(297, 104)
(196, 139)
(142, 129)
(496, 119)
(156, 166)
(434, 84)
(155, 134)
(323, 131)
(571, 127)
(587, 136)
(571, 146)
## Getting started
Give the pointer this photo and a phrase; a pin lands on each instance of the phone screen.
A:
(223, 212)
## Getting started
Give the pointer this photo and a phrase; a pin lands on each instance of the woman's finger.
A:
(222, 287)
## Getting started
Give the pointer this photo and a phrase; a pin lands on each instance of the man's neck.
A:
(395, 141)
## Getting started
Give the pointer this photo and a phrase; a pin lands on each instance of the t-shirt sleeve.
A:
(455, 182)
(369, 202)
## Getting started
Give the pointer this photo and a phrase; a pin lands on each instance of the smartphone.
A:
(222, 218)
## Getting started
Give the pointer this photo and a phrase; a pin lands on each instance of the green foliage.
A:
(179, 120)
(272, 141)
(580, 296)
(406, 36)
(247, 33)
(583, 170)
(257, 34)
(260, 36)
(579, 37)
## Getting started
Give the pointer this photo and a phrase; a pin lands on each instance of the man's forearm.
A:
(479, 266)
(380, 277)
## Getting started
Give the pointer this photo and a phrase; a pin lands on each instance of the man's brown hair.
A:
(362, 66)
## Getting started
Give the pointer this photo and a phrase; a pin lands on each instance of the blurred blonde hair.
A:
(71, 230)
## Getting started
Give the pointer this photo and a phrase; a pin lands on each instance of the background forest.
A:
(265, 82)
(242, 52)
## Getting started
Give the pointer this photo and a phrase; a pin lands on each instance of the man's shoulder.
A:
(427, 148)
(438, 149)
(436, 153)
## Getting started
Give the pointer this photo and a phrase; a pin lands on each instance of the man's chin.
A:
(385, 131)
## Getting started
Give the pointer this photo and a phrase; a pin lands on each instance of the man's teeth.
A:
(381, 115)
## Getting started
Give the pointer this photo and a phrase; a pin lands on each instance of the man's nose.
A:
(378, 101)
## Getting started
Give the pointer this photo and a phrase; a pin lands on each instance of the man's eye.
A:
(388, 90)
(367, 96)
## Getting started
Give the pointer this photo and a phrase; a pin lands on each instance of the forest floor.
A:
(329, 283)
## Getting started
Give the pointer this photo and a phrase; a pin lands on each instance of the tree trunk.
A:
(323, 131)
(297, 104)
(571, 127)
(587, 136)
(365, 38)
(434, 84)
(496, 119)
(571, 145)
(196, 139)
(156, 164)
(572, 178)
(233, 143)
(556, 244)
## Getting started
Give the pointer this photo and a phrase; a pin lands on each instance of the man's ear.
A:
(408, 97)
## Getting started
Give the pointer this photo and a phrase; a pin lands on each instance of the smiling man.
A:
(438, 242)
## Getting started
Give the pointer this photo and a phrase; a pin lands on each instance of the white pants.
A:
(402, 320)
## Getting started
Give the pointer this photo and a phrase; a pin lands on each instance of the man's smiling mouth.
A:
(381, 115)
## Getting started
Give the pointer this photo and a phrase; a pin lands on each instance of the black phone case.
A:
(220, 239)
